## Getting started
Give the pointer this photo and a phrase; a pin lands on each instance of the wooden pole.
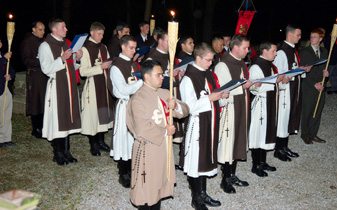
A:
(172, 44)
(10, 34)
(332, 43)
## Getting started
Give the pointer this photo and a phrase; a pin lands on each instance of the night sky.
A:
(271, 16)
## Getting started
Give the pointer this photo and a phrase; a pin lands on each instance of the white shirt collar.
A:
(234, 56)
(144, 37)
(124, 57)
(91, 39)
(315, 48)
(198, 67)
(58, 39)
(290, 44)
(161, 51)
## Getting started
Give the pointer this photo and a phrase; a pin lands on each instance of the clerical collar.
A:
(91, 39)
(58, 39)
(121, 55)
(155, 89)
(162, 52)
(198, 67)
(234, 56)
(290, 44)
(188, 53)
(261, 56)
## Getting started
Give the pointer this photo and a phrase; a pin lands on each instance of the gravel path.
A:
(307, 182)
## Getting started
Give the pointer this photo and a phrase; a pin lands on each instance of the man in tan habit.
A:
(153, 174)
(97, 102)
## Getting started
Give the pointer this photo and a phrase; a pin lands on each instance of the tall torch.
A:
(152, 24)
(332, 43)
(172, 33)
(10, 34)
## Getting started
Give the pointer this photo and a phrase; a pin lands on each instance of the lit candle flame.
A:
(172, 13)
(152, 16)
(10, 16)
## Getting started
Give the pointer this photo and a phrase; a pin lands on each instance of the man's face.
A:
(124, 31)
(205, 61)
(145, 29)
(188, 46)
(155, 77)
(218, 45)
(163, 43)
(295, 36)
(315, 39)
(129, 49)
(60, 30)
(242, 50)
(38, 30)
(270, 54)
(97, 35)
(227, 40)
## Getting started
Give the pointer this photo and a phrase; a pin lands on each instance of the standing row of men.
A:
(217, 131)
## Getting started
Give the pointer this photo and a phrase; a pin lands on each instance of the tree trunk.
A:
(208, 20)
(148, 8)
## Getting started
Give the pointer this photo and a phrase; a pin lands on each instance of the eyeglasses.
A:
(208, 60)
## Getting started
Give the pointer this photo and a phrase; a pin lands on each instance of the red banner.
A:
(244, 21)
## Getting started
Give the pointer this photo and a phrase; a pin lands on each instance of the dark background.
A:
(200, 18)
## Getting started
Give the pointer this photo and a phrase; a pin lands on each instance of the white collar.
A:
(161, 51)
(121, 55)
(91, 39)
(234, 56)
(315, 48)
(58, 39)
(198, 67)
(290, 44)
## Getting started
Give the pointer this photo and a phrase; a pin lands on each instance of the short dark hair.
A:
(95, 26)
(237, 41)
(120, 26)
(202, 49)
(143, 23)
(161, 34)
(291, 29)
(183, 39)
(34, 24)
(53, 22)
(265, 46)
(147, 66)
(125, 39)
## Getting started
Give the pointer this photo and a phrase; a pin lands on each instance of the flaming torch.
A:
(172, 33)
(10, 34)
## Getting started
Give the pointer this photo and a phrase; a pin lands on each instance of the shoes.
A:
(178, 167)
(94, 147)
(290, 153)
(125, 180)
(258, 170)
(267, 167)
(209, 201)
(234, 180)
(198, 203)
(307, 140)
(281, 155)
(37, 133)
(7, 144)
(317, 139)
(227, 186)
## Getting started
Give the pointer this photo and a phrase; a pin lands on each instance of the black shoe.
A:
(258, 170)
(198, 203)
(227, 186)
(267, 167)
(125, 180)
(67, 155)
(209, 201)
(290, 153)
(307, 140)
(101, 144)
(58, 150)
(7, 144)
(281, 155)
(94, 147)
(178, 167)
(236, 181)
(37, 133)
(317, 139)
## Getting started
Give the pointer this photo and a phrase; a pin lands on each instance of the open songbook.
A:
(271, 79)
(231, 85)
(293, 72)
(183, 64)
(78, 42)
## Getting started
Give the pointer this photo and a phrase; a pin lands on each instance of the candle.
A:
(10, 30)
(152, 24)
